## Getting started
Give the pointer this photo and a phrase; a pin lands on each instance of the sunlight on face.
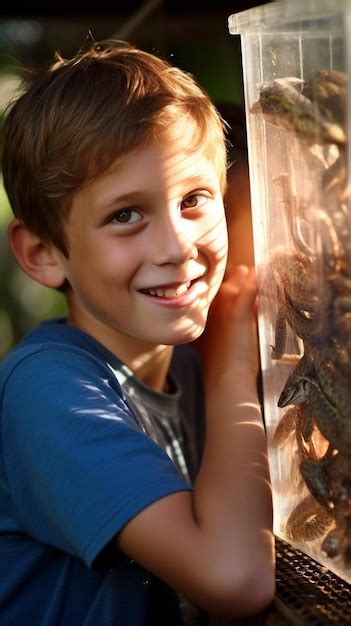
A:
(148, 245)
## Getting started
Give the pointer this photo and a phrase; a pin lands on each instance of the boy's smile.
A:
(147, 246)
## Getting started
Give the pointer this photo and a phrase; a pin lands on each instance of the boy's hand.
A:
(229, 344)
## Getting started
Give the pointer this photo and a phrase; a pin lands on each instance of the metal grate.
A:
(308, 593)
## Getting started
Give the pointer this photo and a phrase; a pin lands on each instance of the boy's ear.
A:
(37, 258)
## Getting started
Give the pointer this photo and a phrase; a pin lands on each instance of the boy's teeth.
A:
(170, 292)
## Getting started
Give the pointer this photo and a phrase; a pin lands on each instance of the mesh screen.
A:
(307, 592)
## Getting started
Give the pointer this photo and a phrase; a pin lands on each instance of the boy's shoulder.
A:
(53, 350)
(52, 344)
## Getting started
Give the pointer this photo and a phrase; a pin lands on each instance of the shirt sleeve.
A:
(78, 466)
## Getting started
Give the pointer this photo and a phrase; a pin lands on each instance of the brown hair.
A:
(75, 117)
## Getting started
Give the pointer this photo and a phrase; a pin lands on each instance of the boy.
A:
(114, 163)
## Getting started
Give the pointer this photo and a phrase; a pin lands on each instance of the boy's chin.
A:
(185, 336)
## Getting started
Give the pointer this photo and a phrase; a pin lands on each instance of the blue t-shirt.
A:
(75, 467)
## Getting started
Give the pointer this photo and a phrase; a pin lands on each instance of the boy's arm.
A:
(215, 545)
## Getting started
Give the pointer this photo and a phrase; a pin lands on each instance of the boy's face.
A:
(148, 245)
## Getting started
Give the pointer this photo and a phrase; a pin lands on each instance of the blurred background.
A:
(190, 34)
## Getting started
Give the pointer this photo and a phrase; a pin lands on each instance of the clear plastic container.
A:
(296, 58)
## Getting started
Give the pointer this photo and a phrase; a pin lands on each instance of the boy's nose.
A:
(173, 243)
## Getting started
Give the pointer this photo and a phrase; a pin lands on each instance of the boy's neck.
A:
(149, 363)
(152, 366)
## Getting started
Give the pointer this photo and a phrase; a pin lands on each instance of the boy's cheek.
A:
(220, 243)
(214, 233)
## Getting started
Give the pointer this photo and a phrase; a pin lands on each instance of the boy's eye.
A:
(127, 216)
(193, 201)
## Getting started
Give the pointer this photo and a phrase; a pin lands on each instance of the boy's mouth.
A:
(168, 291)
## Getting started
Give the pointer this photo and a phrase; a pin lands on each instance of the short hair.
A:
(78, 115)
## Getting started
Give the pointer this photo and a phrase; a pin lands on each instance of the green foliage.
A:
(217, 68)
(5, 209)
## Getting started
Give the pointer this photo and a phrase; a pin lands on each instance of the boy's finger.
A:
(237, 274)
(234, 280)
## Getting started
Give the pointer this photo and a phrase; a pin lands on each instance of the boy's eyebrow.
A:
(193, 181)
(127, 197)
(124, 198)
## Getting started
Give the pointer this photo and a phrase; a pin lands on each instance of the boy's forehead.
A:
(175, 152)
